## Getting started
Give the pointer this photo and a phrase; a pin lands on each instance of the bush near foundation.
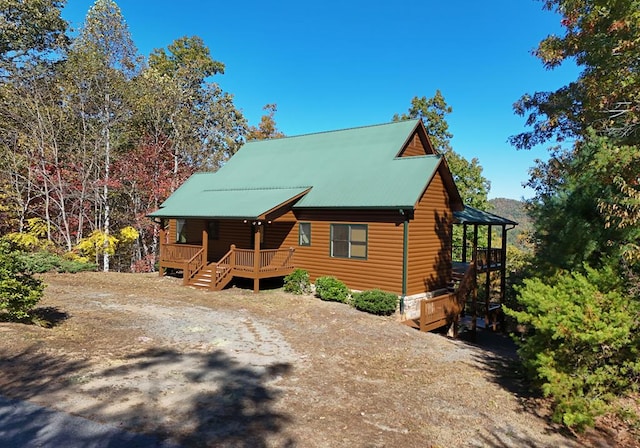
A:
(376, 301)
(297, 282)
(330, 288)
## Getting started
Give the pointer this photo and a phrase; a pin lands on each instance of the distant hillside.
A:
(514, 210)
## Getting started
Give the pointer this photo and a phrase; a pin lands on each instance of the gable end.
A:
(417, 144)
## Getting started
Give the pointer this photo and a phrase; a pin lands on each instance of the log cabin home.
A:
(373, 206)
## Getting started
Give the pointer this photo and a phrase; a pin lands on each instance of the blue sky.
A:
(340, 64)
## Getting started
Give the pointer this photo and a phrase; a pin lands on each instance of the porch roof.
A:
(227, 203)
(470, 215)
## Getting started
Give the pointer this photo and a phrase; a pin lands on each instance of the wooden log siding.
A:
(429, 266)
(383, 266)
(414, 147)
(230, 232)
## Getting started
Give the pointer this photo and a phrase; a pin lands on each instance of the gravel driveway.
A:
(233, 368)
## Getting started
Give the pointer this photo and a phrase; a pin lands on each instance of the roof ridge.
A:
(257, 188)
(425, 156)
(353, 128)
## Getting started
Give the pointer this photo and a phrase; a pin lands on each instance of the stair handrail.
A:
(223, 271)
(198, 263)
(466, 283)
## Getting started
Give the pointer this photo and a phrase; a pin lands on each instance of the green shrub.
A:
(330, 288)
(376, 301)
(297, 282)
(40, 262)
(583, 348)
(19, 290)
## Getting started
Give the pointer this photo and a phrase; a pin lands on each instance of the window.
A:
(349, 241)
(213, 230)
(304, 234)
(181, 231)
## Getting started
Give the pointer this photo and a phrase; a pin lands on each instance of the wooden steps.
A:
(202, 279)
(206, 278)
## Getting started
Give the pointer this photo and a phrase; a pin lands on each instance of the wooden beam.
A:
(487, 283)
(205, 244)
(163, 237)
(256, 257)
(503, 265)
(464, 243)
(474, 323)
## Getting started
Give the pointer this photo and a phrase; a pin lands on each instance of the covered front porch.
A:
(215, 235)
(203, 267)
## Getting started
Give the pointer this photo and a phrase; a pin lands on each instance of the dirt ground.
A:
(267, 370)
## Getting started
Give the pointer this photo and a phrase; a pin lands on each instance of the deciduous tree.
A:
(105, 59)
(472, 185)
(267, 128)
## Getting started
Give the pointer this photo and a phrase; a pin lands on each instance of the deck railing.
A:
(489, 257)
(438, 311)
(486, 257)
(178, 252)
(270, 259)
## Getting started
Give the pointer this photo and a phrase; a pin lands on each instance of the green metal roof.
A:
(472, 215)
(351, 168)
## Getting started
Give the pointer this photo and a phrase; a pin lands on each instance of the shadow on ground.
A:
(233, 406)
(499, 358)
(47, 317)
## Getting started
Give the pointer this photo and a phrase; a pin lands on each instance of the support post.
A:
(487, 283)
(205, 245)
(464, 243)
(503, 265)
(474, 322)
(163, 238)
(256, 256)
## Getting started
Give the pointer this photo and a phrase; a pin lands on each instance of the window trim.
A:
(300, 233)
(349, 241)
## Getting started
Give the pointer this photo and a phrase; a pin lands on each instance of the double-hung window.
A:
(349, 241)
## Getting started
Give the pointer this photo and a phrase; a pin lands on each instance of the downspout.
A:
(405, 258)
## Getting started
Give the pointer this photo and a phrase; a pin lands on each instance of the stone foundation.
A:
(412, 303)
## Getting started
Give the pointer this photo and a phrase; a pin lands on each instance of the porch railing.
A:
(178, 252)
(269, 260)
(486, 256)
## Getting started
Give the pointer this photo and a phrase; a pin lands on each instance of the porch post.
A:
(464, 243)
(205, 245)
(163, 238)
(488, 279)
(503, 264)
(256, 256)
(474, 322)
